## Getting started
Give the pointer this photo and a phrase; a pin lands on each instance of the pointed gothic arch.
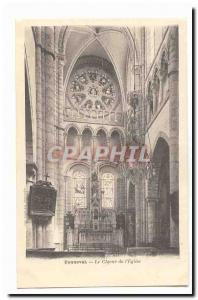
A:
(28, 120)
(80, 53)
(163, 204)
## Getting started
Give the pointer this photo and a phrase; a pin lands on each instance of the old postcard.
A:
(102, 187)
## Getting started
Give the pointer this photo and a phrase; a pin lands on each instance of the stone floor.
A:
(90, 252)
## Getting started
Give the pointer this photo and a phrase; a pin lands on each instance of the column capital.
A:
(60, 57)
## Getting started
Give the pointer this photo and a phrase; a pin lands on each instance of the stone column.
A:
(143, 75)
(108, 142)
(39, 104)
(31, 176)
(44, 235)
(49, 112)
(39, 235)
(29, 224)
(79, 143)
(49, 231)
(94, 144)
(148, 112)
(60, 204)
(138, 216)
(151, 209)
(146, 208)
(161, 89)
(136, 179)
(49, 97)
(43, 98)
(146, 221)
(143, 212)
(151, 198)
(174, 128)
(154, 99)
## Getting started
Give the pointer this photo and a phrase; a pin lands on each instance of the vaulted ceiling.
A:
(111, 43)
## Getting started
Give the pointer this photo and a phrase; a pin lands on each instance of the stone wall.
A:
(158, 117)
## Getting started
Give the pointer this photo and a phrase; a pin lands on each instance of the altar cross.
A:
(46, 176)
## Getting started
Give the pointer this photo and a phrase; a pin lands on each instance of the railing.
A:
(99, 247)
(96, 116)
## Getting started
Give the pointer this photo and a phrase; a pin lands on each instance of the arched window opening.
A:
(164, 76)
(164, 66)
(86, 138)
(95, 214)
(115, 139)
(79, 190)
(131, 196)
(101, 138)
(72, 137)
(163, 205)
(156, 88)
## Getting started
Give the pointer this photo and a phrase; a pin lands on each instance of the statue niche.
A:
(133, 102)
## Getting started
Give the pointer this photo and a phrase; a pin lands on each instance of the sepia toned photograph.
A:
(99, 114)
(102, 165)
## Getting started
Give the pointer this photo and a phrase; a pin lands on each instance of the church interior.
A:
(101, 86)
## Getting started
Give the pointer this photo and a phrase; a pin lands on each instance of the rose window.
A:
(92, 89)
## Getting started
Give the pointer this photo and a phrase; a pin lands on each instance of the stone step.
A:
(151, 251)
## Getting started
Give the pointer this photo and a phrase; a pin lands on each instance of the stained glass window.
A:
(107, 190)
(79, 187)
(92, 89)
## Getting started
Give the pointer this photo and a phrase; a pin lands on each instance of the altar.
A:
(88, 239)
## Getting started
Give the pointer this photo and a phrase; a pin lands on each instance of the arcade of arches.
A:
(109, 86)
